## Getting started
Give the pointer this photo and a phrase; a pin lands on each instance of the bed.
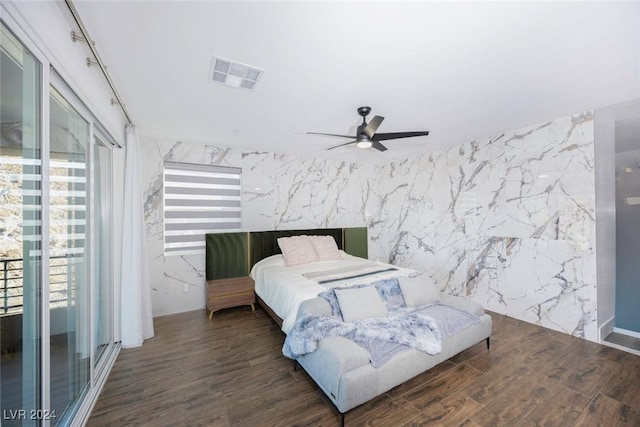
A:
(235, 254)
(284, 288)
(295, 297)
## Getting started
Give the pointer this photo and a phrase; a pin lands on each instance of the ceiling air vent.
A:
(234, 74)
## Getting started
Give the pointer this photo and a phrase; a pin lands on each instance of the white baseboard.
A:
(627, 332)
(606, 328)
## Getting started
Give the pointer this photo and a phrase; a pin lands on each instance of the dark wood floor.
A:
(230, 372)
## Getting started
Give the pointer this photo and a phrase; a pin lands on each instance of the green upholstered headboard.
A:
(233, 254)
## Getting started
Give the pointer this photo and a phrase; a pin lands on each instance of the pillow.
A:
(418, 290)
(360, 303)
(326, 248)
(297, 250)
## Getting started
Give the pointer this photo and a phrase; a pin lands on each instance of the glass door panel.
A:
(20, 230)
(103, 281)
(68, 257)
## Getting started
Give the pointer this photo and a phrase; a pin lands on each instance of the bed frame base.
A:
(270, 312)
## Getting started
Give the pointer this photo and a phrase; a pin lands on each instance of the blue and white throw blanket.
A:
(421, 328)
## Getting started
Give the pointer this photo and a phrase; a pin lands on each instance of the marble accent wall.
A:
(286, 192)
(177, 282)
(278, 192)
(508, 221)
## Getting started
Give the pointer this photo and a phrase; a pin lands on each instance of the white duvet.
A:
(284, 288)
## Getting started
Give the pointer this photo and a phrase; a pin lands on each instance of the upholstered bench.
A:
(342, 368)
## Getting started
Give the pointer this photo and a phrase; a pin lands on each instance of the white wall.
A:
(606, 221)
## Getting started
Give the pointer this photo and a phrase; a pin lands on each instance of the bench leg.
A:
(341, 419)
(488, 342)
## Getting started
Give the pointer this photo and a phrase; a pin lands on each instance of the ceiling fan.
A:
(366, 135)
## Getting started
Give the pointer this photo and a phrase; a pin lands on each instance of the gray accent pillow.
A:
(360, 303)
(418, 290)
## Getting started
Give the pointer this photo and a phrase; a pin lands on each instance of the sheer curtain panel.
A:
(136, 316)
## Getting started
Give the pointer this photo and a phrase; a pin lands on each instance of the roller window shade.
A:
(199, 199)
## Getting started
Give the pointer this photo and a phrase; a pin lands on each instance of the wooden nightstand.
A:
(231, 292)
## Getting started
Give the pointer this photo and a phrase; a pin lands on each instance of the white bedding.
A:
(284, 288)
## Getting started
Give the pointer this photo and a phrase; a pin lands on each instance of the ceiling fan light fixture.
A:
(365, 143)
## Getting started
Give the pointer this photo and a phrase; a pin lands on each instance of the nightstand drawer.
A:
(233, 285)
(231, 292)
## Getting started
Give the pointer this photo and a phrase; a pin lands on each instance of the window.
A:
(198, 199)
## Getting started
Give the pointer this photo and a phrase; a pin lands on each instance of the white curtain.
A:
(135, 296)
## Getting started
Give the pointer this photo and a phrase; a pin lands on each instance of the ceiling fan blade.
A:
(396, 135)
(373, 125)
(330, 134)
(340, 145)
(378, 146)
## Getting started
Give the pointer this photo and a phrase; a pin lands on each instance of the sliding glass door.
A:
(20, 229)
(57, 298)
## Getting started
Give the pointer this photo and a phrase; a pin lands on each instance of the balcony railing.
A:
(62, 284)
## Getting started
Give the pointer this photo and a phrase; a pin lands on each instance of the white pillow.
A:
(360, 303)
(418, 290)
(297, 250)
(326, 248)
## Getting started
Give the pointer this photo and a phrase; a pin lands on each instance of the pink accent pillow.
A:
(297, 250)
(326, 248)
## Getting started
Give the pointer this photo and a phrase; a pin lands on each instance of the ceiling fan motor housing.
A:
(364, 111)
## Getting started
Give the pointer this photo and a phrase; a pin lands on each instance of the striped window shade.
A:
(198, 199)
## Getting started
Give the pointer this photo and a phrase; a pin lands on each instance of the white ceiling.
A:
(464, 71)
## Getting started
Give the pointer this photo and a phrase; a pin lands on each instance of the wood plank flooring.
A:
(230, 372)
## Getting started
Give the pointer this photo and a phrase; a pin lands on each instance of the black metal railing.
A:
(62, 283)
